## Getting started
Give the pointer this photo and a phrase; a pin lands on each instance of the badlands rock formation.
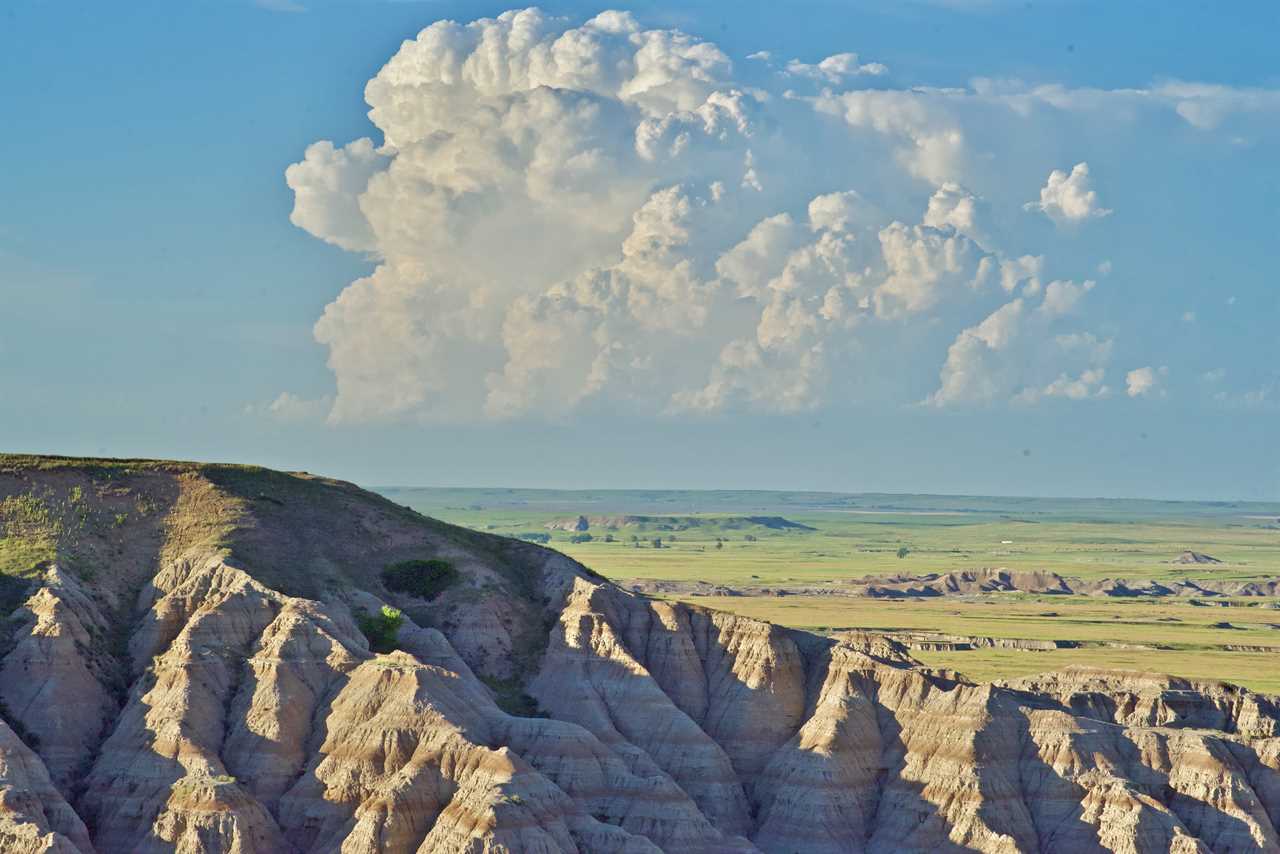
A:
(674, 523)
(184, 670)
(976, 581)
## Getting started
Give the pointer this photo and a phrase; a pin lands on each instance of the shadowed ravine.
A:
(184, 671)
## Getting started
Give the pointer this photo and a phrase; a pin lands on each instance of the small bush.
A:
(535, 537)
(903, 552)
(381, 629)
(423, 578)
(511, 698)
(581, 538)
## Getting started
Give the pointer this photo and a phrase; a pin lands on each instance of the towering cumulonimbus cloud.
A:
(587, 215)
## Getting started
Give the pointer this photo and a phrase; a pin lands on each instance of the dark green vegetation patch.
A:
(381, 629)
(423, 578)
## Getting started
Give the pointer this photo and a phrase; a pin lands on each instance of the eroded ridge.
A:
(222, 696)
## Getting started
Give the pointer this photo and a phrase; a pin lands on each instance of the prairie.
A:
(857, 536)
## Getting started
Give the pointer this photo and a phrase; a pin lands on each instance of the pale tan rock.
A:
(34, 818)
(54, 680)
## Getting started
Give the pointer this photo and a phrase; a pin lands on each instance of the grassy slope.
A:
(110, 521)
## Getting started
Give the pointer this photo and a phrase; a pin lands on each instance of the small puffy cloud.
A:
(952, 205)
(1216, 375)
(836, 68)
(288, 406)
(1188, 317)
(1145, 382)
(1104, 268)
(1069, 198)
(1088, 384)
(1062, 297)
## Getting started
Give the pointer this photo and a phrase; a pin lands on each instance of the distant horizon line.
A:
(1212, 501)
(117, 460)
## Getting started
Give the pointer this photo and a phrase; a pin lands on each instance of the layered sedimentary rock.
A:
(977, 581)
(223, 697)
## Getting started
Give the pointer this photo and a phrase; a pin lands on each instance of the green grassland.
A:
(1177, 637)
(861, 535)
(1087, 538)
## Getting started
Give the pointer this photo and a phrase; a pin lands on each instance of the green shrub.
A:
(581, 538)
(535, 537)
(511, 698)
(903, 552)
(381, 629)
(423, 578)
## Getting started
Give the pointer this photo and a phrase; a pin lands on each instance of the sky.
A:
(974, 247)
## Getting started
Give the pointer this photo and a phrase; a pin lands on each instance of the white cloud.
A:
(834, 69)
(327, 186)
(1206, 105)
(1145, 382)
(1188, 317)
(954, 206)
(563, 216)
(1061, 297)
(1069, 198)
(1014, 353)
(288, 406)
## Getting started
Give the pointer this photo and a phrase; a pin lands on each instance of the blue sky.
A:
(158, 301)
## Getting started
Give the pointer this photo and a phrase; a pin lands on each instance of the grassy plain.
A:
(861, 535)
(1178, 637)
(858, 536)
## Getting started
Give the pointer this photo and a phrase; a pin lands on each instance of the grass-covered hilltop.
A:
(219, 658)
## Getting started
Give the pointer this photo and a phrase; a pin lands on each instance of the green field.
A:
(861, 535)
(1179, 638)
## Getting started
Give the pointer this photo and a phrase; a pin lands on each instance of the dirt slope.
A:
(183, 671)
